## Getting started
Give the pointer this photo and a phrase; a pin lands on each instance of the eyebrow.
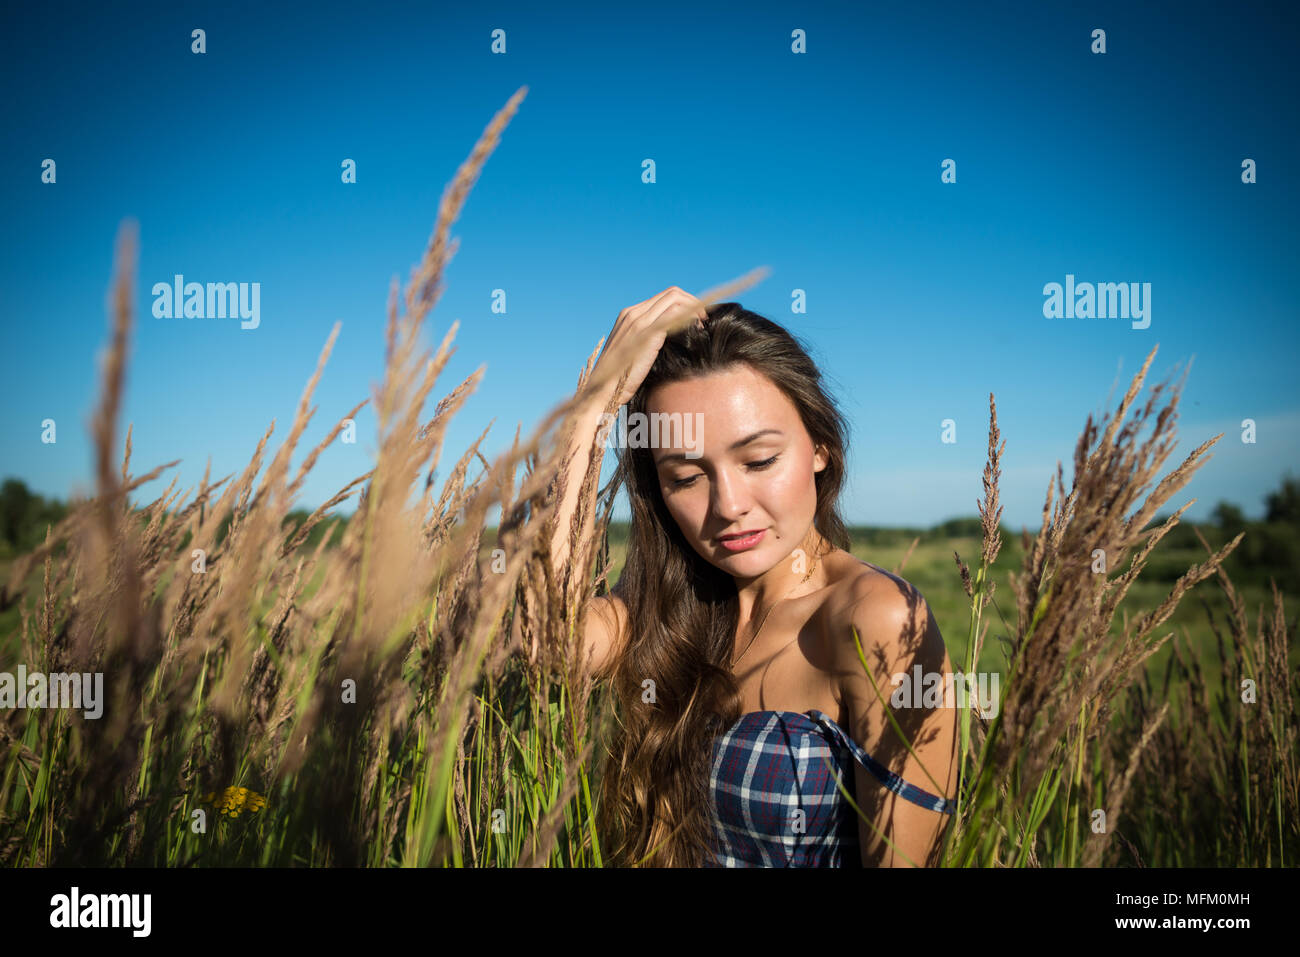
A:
(672, 456)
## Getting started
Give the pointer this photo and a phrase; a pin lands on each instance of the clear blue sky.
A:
(825, 167)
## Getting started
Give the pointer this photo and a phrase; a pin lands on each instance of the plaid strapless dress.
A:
(774, 801)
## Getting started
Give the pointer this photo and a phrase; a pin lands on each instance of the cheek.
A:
(686, 511)
(794, 484)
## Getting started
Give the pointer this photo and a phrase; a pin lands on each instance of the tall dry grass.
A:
(1081, 743)
(363, 702)
(343, 686)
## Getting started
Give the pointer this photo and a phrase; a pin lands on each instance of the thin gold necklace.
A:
(773, 608)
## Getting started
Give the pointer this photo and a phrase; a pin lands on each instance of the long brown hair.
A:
(683, 611)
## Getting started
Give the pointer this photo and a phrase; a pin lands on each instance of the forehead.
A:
(735, 402)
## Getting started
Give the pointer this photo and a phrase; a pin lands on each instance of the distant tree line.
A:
(1271, 547)
(24, 516)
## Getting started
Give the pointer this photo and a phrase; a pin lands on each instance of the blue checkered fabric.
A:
(774, 799)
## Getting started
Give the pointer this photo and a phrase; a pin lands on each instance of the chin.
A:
(749, 564)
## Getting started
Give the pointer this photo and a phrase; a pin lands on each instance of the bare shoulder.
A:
(890, 615)
(897, 633)
(604, 633)
(860, 587)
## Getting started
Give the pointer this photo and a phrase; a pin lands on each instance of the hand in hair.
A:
(634, 324)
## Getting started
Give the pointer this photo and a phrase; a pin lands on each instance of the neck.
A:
(783, 580)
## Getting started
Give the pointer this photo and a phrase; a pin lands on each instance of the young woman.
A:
(729, 637)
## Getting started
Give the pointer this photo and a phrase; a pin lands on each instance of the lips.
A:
(742, 540)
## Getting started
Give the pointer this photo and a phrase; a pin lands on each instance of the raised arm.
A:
(635, 344)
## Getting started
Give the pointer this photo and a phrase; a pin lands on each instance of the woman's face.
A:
(748, 465)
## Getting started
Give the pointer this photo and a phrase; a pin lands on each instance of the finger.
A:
(655, 304)
(702, 311)
(678, 304)
(634, 314)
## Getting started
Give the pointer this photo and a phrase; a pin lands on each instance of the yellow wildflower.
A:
(233, 800)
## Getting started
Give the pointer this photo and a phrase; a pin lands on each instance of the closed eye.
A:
(753, 466)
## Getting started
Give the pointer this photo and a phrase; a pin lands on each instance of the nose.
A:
(731, 498)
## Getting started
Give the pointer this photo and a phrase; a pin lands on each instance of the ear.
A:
(820, 459)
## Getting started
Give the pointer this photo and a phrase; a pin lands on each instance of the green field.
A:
(933, 570)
